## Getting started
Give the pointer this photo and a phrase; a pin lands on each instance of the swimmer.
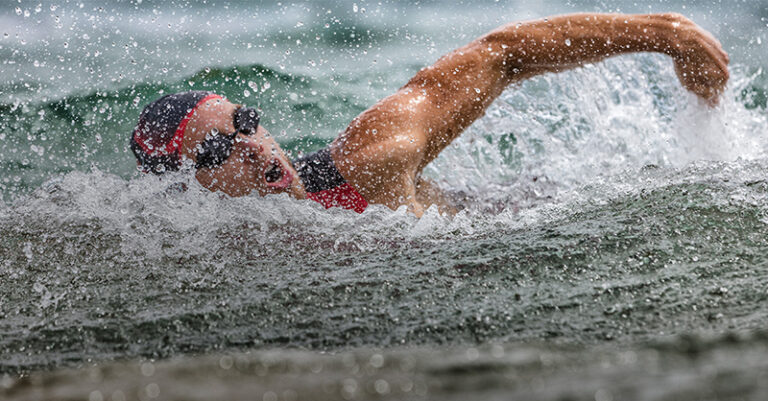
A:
(379, 157)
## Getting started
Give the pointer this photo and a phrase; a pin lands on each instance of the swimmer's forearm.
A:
(564, 42)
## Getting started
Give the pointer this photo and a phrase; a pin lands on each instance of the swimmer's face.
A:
(256, 164)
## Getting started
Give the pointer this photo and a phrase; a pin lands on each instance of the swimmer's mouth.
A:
(276, 175)
(274, 172)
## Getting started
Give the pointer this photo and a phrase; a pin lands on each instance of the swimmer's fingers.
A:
(703, 75)
(705, 82)
(700, 61)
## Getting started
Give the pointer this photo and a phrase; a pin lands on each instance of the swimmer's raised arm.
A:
(458, 88)
(384, 149)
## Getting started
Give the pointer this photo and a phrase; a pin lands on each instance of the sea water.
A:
(608, 210)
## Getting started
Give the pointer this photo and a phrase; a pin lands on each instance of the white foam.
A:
(575, 127)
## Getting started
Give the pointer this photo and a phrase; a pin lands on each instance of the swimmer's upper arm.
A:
(380, 151)
(455, 91)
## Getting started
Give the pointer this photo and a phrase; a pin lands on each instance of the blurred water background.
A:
(610, 210)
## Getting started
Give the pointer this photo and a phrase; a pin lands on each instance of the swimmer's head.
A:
(231, 152)
(156, 141)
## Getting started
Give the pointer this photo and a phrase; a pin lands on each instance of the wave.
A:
(98, 267)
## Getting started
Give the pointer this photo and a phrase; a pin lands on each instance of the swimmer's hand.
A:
(700, 61)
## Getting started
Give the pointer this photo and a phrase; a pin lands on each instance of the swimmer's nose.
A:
(248, 145)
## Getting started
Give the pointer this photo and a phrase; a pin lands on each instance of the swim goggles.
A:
(217, 147)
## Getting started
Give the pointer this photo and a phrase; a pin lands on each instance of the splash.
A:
(559, 132)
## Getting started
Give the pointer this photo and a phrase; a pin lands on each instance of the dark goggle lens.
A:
(214, 150)
(218, 147)
(246, 120)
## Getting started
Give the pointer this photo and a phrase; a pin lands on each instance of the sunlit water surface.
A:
(604, 207)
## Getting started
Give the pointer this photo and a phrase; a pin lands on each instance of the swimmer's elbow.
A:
(504, 49)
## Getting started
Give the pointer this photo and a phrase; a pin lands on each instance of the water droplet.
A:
(567, 42)
(247, 93)
(354, 7)
(270, 396)
(381, 386)
(226, 362)
(147, 369)
(39, 150)
(95, 396)
(152, 390)
(377, 361)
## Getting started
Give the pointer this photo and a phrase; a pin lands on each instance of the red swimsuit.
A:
(325, 185)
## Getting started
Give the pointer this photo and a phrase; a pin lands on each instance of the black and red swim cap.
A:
(156, 140)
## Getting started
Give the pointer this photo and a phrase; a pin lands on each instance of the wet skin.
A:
(383, 150)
